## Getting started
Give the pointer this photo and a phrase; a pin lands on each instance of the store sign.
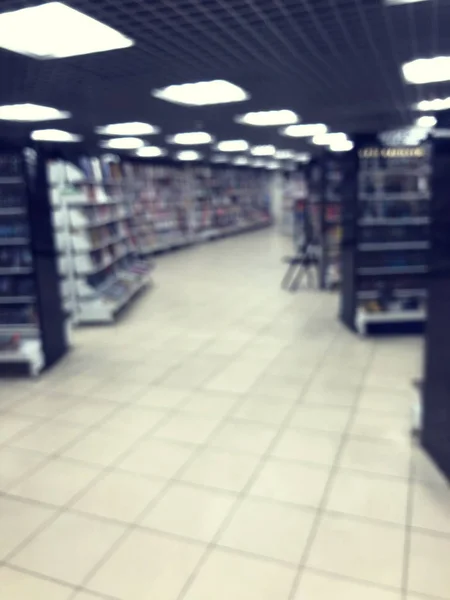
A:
(391, 152)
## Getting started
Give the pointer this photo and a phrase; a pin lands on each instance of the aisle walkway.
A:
(226, 441)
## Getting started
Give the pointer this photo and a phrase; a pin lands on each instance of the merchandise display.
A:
(32, 333)
(387, 244)
(295, 192)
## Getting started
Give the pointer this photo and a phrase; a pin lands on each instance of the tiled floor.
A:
(226, 440)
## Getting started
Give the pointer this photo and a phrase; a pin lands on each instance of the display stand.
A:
(386, 238)
(33, 327)
(435, 412)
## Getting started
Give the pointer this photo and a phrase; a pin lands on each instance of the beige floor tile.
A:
(47, 438)
(267, 529)
(331, 419)
(68, 548)
(387, 400)
(15, 464)
(267, 410)
(428, 565)
(245, 437)
(132, 420)
(390, 427)
(381, 458)
(87, 412)
(147, 565)
(317, 394)
(277, 387)
(162, 397)
(206, 404)
(307, 446)
(189, 512)
(325, 587)
(19, 520)
(156, 457)
(290, 482)
(99, 449)
(226, 575)
(369, 496)
(187, 429)
(367, 551)
(85, 596)
(56, 482)
(13, 425)
(119, 495)
(118, 390)
(15, 585)
(431, 507)
(425, 470)
(220, 469)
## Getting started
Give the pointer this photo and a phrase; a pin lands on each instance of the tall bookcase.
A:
(386, 238)
(33, 325)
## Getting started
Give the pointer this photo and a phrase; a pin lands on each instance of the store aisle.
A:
(225, 440)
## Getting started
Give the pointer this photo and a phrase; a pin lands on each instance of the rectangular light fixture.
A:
(54, 135)
(241, 160)
(188, 155)
(151, 151)
(426, 121)
(285, 154)
(341, 146)
(265, 118)
(435, 104)
(134, 128)
(326, 139)
(395, 2)
(427, 70)
(306, 130)
(302, 157)
(54, 30)
(258, 163)
(202, 93)
(31, 112)
(123, 143)
(232, 146)
(264, 150)
(273, 164)
(192, 138)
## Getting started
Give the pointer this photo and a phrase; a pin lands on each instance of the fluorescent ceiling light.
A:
(31, 112)
(123, 143)
(285, 154)
(427, 70)
(435, 104)
(395, 2)
(341, 146)
(151, 151)
(188, 155)
(259, 163)
(427, 121)
(268, 117)
(324, 139)
(134, 128)
(273, 164)
(266, 150)
(54, 135)
(302, 157)
(241, 160)
(202, 93)
(54, 30)
(192, 138)
(232, 146)
(307, 130)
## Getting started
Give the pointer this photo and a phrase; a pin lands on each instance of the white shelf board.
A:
(379, 246)
(30, 352)
(363, 319)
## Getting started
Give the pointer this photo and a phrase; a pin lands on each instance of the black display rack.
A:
(33, 331)
(435, 413)
(386, 237)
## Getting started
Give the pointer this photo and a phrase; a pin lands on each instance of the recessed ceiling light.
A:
(258, 163)
(31, 112)
(395, 2)
(188, 155)
(202, 93)
(427, 121)
(324, 139)
(341, 146)
(192, 138)
(265, 150)
(302, 157)
(435, 104)
(268, 117)
(284, 154)
(123, 143)
(241, 160)
(134, 128)
(54, 135)
(151, 151)
(232, 146)
(273, 164)
(54, 30)
(427, 70)
(306, 130)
